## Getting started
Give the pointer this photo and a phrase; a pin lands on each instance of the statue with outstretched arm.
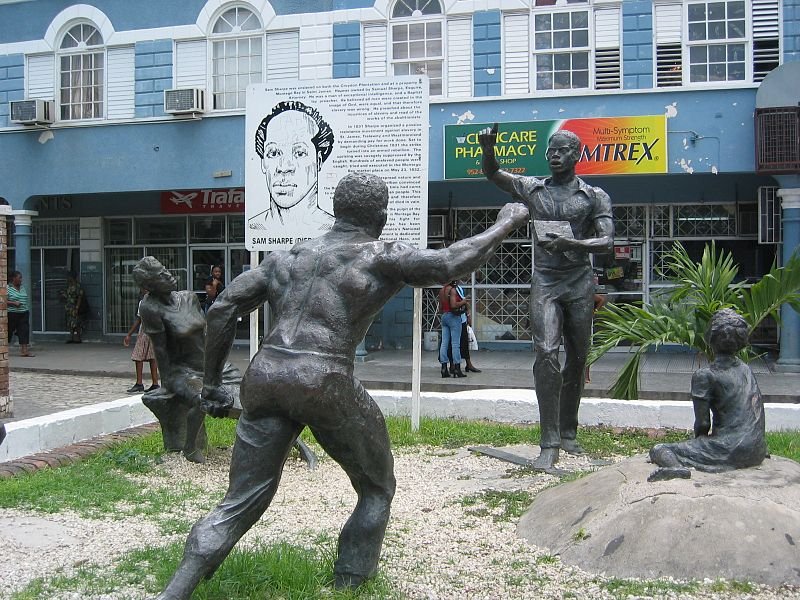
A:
(323, 294)
(562, 286)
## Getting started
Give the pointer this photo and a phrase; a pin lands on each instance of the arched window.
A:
(417, 40)
(81, 73)
(237, 56)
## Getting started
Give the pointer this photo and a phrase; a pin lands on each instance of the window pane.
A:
(542, 23)
(698, 54)
(160, 231)
(434, 29)
(416, 31)
(543, 41)
(716, 11)
(235, 230)
(119, 232)
(736, 72)
(401, 69)
(736, 10)
(580, 38)
(561, 39)
(400, 33)
(561, 81)
(580, 60)
(416, 49)
(580, 19)
(544, 81)
(697, 12)
(544, 62)
(716, 72)
(580, 79)
(716, 53)
(697, 73)
(206, 229)
(735, 52)
(716, 31)
(434, 48)
(561, 21)
(562, 62)
(697, 31)
(736, 29)
(400, 50)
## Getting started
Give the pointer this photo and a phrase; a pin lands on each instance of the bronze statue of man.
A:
(562, 286)
(323, 293)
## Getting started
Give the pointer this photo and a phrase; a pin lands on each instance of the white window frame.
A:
(214, 39)
(746, 41)
(536, 11)
(84, 51)
(424, 20)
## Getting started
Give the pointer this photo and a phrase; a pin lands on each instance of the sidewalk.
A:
(63, 376)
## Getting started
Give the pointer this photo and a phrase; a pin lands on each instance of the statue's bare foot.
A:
(347, 581)
(571, 446)
(666, 473)
(546, 459)
(195, 456)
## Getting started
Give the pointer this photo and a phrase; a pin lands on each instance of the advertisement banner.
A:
(302, 137)
(202, 202)
(609, 146)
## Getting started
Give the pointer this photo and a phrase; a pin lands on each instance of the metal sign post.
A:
(416, 359)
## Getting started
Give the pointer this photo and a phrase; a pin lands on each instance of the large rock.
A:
(741, 525)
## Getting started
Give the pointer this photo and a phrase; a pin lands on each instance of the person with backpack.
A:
(451, 306)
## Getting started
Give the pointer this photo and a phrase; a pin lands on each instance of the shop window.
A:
(204, 230)
(236, 56)
(81, 59)
(630, 221)
(236, 229)
(704, 220)
(119, 232)
(161, 231)
(417, 47)
(122, 293)
(56, 233)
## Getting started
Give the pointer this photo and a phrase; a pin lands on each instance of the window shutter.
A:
(766, 37)
(516, 53)
(283, 56)
(669, 51)
(459, 57)
(375, 53)
(190, 64)
(769, 215)
(41, 77)
(121, 83)
(607, 71)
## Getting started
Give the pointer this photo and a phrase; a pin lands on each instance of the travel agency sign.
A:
(609, 146)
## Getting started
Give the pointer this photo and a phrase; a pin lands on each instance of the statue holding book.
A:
(571, 220)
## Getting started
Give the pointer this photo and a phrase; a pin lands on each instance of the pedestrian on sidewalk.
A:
(142, 351)
(451, 307)
(19, 313)
(466, 323)
(214, 287)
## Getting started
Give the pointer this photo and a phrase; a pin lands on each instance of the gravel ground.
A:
(435, 548)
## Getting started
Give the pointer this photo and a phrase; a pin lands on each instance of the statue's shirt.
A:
(580, 205)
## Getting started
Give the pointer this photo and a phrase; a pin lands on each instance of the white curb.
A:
(49, 432)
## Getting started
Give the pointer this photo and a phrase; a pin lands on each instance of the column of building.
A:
(789, 359)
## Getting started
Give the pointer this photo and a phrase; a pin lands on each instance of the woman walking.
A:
(73, 297)
(19, 313)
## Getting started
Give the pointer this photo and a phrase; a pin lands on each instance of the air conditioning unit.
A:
(32, 112)
(182, 101)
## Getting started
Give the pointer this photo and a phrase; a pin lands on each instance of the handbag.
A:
(473, 341)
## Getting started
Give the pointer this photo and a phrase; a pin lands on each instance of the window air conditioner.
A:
(32, 112)
(184, 100)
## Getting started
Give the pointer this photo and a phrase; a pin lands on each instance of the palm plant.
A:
(682, 314)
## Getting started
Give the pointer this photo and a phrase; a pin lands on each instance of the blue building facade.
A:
(95, 173)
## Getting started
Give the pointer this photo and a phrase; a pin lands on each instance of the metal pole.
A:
(416, 360)
(254, 314)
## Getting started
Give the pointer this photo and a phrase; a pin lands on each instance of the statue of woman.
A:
(175, 323)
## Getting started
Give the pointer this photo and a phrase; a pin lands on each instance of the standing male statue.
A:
(562, 286)
(323, 294)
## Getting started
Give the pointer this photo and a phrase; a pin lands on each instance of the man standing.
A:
(292, 142)
(323, 294)
(562, 286)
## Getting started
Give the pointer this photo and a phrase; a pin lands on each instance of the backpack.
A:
(84, 308)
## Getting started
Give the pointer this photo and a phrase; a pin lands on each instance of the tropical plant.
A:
(681, 315)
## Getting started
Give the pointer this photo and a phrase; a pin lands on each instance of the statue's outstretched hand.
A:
(487, 138)
(515, 212)
(216, 401)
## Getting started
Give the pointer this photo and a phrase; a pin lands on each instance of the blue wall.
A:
(12, 83)
(153, 76)
(346, 50)
(791, 30)
(124, 157)
(637, 44)
(487, 53)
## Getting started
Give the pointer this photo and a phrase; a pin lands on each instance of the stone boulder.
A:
(741, 525)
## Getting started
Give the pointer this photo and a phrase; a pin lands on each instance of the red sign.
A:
(622, 252)
(203, 201)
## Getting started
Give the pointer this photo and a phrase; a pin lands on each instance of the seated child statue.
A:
(729, 411)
